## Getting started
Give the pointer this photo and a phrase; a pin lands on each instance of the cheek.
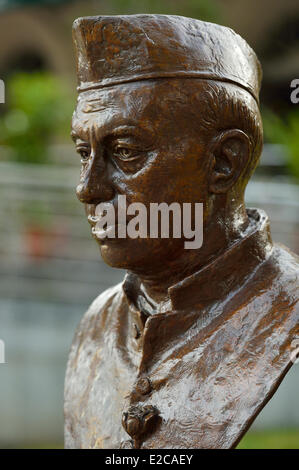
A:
(178, 178)
(172, 175)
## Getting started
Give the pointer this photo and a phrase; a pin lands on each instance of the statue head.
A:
(167, 112)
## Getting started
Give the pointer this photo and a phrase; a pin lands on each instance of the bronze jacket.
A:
(197, 375)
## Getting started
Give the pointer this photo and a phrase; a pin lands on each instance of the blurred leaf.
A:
(270, 439)
(37, 109)
(286, 132)
(208, 10)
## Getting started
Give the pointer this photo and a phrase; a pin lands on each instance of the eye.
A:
(84, 153)
(125, 153)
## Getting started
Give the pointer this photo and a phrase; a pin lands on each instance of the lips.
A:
(107, 231)
(93, 220)
(103, 227)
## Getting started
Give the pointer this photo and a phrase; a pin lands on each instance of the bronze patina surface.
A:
(192, 345)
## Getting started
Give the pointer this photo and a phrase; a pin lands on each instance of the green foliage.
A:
(285, 439)
(37, 109)
(286, 132)
(207, 10)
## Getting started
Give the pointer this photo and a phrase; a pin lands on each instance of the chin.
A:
(132, 254)
(114, 257)
(122, 254)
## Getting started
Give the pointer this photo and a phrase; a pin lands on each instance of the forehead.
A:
(126, 104)
(148, 104)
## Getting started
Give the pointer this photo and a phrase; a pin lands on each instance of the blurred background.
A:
(50, 269)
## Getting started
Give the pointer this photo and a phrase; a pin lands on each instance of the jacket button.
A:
(138, 421)
(143, 386)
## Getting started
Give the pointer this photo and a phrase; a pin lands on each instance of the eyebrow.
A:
(125, 130)
(78, 136)
(74, 136)
(93, 106)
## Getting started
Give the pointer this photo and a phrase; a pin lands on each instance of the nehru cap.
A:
(112, 50)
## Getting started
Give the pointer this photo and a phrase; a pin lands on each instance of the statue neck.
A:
(218, 235)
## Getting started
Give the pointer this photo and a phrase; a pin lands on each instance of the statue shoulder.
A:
(284, 270)
(97, 314)
(103, 301)
(287, 263)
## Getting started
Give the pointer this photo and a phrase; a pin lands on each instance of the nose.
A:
(94, 186)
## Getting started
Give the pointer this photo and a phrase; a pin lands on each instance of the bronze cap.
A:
(118, 49)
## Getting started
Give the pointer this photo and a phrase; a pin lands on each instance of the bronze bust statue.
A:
(192, 345)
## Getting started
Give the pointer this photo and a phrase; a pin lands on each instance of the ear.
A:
(230, 151)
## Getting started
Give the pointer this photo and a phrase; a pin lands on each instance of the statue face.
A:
(140, 140)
